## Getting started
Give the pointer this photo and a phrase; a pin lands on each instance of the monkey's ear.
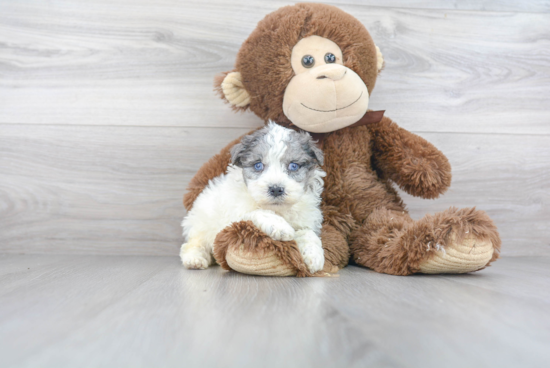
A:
(230, 87)
(379, 59)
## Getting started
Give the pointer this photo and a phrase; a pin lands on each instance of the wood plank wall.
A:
(107, 110)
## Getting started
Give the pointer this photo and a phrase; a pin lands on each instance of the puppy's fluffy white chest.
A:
(226, 200)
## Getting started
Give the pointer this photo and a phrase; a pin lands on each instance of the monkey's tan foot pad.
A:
(242, 247)
(266, 264)
(468, 255)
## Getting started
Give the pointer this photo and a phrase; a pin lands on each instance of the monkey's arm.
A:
(214, 167)
(410, 161)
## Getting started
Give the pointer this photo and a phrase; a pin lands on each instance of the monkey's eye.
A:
(330, 58)
(293, 166)
(308, 61)
(258, 166)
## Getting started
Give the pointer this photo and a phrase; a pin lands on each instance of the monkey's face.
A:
(310, 65)
(324, 95)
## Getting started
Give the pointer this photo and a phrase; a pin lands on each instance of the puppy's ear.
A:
(240, 150)
(236, 154)
(230, 87)
(313, 151)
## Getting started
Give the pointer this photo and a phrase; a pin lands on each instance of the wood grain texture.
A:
(533, 6)
(97, 311)
(98, 189)
(118, 190)
(152, 63)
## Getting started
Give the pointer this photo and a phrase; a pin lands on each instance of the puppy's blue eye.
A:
(258, 166)
(293, 166)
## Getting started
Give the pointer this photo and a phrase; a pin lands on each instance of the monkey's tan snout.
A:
(334, 72)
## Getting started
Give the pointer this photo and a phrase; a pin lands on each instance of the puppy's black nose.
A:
(276, 191)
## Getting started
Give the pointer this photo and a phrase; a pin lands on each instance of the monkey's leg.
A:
(452, 241)
(244, 248)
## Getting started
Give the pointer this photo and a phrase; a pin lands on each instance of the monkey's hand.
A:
(410, 161)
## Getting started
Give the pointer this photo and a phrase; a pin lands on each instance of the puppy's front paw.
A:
(194, 262)
(281, 231)
(314, 259)
(193, 259)
(271, 224)
(275, 227)
(311, 249)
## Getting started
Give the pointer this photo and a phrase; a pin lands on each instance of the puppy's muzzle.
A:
(276, 191)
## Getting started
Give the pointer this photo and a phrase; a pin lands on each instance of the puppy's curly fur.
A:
(274, 182)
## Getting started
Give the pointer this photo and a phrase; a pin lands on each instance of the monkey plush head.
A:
(310, 65)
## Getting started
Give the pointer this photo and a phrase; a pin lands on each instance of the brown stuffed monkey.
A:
(313, 67)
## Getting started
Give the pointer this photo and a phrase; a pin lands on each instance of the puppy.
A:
(275, 181)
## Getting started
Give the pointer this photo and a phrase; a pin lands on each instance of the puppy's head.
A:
(279, 165)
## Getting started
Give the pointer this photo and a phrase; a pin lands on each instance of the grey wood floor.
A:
(140, 311)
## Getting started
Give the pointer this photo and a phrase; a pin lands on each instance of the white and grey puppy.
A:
(275, 181)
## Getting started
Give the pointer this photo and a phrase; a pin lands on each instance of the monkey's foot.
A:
(266, 264)
(452, 241)
(244, 248)
(468, 255)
